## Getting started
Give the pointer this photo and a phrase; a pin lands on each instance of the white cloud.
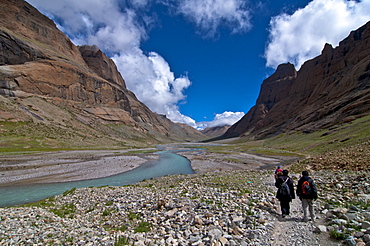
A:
(225, 119)
(209, 15)
(301, 36)
(118, 30)
(153, 83)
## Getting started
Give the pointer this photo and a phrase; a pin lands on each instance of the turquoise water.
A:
(168, 164)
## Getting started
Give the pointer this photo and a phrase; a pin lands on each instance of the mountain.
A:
(216, 131)
(331, 89)
(48, 83)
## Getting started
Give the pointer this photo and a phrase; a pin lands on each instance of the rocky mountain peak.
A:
(330, 89)
(284, 71)
(38, 61)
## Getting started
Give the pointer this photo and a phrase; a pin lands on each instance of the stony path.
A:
(291, 230)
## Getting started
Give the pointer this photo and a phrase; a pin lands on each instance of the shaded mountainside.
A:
(216, 131)
(49, 83)
(331, 89)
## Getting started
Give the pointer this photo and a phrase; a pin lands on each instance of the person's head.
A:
(285, 172)
(304, 173)
(279, 174)
(278, 167)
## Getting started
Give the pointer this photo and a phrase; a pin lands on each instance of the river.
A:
(168, 164)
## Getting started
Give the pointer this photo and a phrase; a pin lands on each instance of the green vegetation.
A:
(143, 151)
(46, 203)
(108, 211)
(143, 226)
(132, 216)
(355, 132)
(64, 210)
(338, 235)
(121, 240)
(71, 191)
(108, 203)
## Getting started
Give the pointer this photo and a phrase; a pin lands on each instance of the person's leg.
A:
(311, 207)
(305, 208)
(284, 207)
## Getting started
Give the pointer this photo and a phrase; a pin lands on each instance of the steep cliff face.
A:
(330, 89)
(36, 59)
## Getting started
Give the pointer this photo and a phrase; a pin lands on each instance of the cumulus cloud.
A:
(209, 15)
(301, 36)
(153, 83)
(225, 119)
(118, 29)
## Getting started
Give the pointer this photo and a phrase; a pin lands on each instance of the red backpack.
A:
(306, 188)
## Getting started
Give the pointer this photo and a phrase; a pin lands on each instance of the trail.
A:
(291, 230)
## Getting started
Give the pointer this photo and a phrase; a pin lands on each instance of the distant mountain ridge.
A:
(215, 131)
(331, 89)
(38, 60)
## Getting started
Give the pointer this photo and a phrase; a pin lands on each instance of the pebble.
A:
(220, 208)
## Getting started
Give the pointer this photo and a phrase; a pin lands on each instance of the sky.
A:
(202, 62)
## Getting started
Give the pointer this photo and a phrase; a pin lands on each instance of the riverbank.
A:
(67, 166)
(80, 165)
(214, 208)
(203, 161)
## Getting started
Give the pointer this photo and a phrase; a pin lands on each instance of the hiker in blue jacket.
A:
(307, 193)
(285, 192)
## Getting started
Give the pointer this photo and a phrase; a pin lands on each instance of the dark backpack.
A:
(306, 188)
(284, 189)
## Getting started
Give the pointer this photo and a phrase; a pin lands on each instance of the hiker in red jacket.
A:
(307, 193)
(278, 170)
(285, 192)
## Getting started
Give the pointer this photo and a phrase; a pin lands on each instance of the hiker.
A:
(285, 192)
(278, 170)
(307, 193)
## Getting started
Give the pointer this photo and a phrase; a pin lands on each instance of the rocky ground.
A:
(67, 166)
(214, 207)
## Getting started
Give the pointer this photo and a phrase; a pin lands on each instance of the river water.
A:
(168, 164)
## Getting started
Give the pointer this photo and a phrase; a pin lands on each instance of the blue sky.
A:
(202, 62)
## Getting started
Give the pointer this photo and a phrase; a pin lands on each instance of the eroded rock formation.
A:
(36, 59)
(330, 89)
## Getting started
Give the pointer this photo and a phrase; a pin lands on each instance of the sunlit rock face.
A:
(329, 89)
(39, 60)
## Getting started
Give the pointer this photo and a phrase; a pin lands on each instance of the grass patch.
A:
(121, 240)
(358, 131)
(108, 211)
(338, 235)
(65, 210)
(132, 216)
(143, 226)
(143, 151)
(71, 191)
(49, 202)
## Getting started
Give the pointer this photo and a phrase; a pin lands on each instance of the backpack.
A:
(306, 188)
(284, 189)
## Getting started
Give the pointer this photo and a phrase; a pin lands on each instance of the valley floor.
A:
(229, 201)
(68, 166)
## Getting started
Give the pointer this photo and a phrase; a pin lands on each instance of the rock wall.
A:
(36, 59)
(330, 89)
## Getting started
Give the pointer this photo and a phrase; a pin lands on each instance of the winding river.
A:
(168, 164)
